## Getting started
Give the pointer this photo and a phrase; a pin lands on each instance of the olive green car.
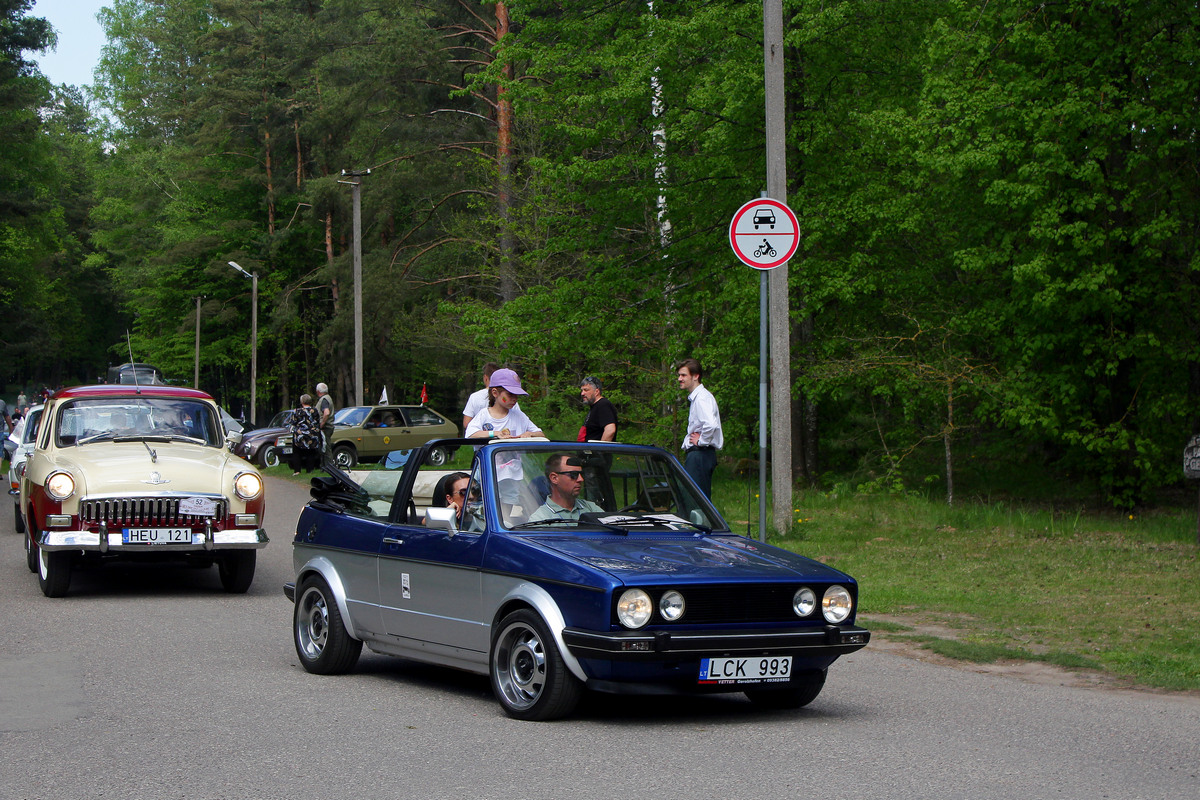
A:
(370, 433)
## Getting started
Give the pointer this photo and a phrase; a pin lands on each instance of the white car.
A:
(142, 473)
(18, 447)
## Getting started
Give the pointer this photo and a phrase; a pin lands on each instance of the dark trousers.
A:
(305, 460)
(699, 462)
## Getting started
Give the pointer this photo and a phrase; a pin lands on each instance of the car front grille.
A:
(738, 603)
(143, 511)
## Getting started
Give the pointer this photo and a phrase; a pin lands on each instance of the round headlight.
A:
(804, 601)
(836, 605)
(671, 605)
(248, 485)
(60, 485)
(634, 608)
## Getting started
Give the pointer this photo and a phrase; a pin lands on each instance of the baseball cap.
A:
(506, 379)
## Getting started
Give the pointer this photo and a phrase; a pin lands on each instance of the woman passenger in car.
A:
(451, 490)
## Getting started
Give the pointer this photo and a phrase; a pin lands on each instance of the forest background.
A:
(996, 284)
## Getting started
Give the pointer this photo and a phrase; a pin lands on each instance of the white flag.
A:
(383, 398)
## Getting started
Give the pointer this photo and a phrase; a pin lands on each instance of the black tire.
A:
(529, 677)
(18, 520)
(803, 690)
(438, 457)
(322, 642)
(269, 457)
(236, 569)
(345, 456)
(54, 572)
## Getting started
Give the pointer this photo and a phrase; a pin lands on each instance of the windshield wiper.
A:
(586, 519)
(96, 437)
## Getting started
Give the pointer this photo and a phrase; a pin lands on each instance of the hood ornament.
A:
(156, 479)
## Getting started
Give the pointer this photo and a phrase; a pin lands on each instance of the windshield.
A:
(100, 419)
(351, 415)
(571, 487)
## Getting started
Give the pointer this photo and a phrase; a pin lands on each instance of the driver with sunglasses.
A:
(565, 473)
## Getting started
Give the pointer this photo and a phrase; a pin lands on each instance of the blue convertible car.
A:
(556, 567)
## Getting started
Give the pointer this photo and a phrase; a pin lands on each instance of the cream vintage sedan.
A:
(145, 473)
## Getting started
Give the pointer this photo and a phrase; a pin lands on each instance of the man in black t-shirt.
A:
(601, 423)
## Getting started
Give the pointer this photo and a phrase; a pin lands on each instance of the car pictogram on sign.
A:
(764, 216)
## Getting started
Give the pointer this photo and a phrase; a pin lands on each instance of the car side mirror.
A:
(233, 437)
(442, 519)
(368, 425)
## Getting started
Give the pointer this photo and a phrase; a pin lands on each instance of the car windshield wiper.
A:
(96, 437)
(653, 521)
(584, 520)
(179, 437)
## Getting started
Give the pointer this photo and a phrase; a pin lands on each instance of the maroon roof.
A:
(129, 390)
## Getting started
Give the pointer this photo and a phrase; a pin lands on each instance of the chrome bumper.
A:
(106, 541)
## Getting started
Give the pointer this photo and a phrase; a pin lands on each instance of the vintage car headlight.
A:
(248, 485)
(836, 604)
(60, 485)
(671, 605)
(634, 608)
(804, 601)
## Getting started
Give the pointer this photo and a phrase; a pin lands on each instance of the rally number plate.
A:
(755, 669)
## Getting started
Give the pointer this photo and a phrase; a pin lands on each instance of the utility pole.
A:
(781, 356)
(196, 379)
(356, 193)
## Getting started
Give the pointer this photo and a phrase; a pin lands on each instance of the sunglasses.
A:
(573, 474)
(462, 492)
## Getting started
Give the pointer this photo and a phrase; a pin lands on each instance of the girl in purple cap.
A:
(500, 420)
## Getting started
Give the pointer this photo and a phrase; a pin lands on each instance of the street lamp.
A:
(253, 276)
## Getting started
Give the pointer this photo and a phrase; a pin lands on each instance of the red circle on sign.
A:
(764, 233)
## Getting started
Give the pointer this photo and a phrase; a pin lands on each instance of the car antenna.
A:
(129, 344)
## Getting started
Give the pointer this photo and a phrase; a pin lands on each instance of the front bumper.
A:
(828, 641)
(106, 541)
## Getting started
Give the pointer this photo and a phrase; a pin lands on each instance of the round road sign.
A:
(764, 233)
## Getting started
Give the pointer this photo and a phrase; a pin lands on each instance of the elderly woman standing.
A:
(306, 437)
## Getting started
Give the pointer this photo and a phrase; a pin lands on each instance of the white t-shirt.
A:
(516, 422)
(478, 402)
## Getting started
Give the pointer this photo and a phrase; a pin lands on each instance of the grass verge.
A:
(1076, 589)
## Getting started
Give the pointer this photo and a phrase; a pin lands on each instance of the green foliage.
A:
(999, 217)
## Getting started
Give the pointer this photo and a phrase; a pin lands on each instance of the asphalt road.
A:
(155, 684)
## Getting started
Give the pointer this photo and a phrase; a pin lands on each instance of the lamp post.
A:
(253, 276)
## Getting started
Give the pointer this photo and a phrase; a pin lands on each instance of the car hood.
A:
(126, 468)
(694, 559)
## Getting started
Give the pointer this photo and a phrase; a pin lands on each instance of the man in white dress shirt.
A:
(704, 437)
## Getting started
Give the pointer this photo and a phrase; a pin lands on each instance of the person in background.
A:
(306, 437)
(22, 402)
(601, 422)
(478, 401)
(704, 437)
(502, 419)
(325, 414)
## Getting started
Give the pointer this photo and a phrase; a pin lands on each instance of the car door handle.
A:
(390, 540)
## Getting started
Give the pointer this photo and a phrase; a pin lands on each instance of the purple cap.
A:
(507, 380)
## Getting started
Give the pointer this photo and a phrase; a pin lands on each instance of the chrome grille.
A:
(143, 511)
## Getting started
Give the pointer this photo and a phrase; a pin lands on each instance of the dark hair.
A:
(555, 461)
(489, 368)
(444, 486)
(592, 380)
(692, 366)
